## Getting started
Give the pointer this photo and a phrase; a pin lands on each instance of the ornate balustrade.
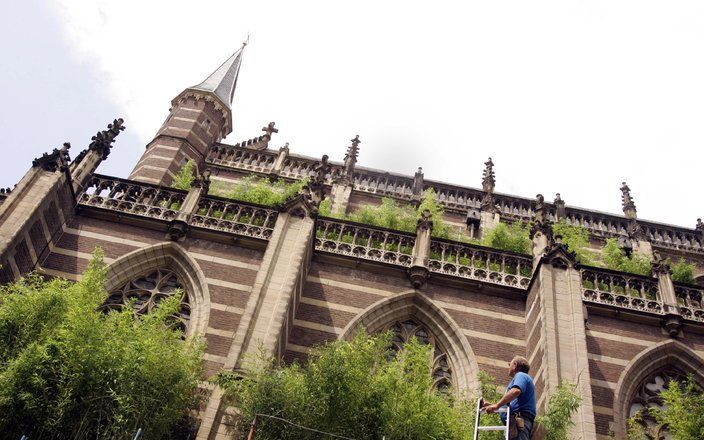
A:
(261, 161)
(690, 301)
(132, 197)
(385, 184)
(673, 237)
(480, 263)
(234, 217)
(296, 167)
(622, 290)
(365, 242)
(244, 157)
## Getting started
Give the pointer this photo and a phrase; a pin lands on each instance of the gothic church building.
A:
(289, 278)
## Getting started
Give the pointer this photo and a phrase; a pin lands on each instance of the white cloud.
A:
(567, 96)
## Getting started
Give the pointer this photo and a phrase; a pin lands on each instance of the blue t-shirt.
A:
(525, 402)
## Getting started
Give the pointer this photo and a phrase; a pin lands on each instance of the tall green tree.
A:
(71, 371)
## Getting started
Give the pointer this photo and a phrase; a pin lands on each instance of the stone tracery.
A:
(648, 397)
(148, 290)
(404, 330)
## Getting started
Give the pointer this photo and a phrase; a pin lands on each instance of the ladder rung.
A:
(491, 428)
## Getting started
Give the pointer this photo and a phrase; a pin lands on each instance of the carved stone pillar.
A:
(88, 160)
(672, 323)
(179, 226)
(340, 197)
(418, 272)
(541, 231)
(418, 185)
(272, 303)
(641, 246)
(487, 221)
(560, 212)
(33, 214)
(280, 160)
(556, 312)
(276, 291)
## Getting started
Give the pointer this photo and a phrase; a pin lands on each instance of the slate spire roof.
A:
(223, 81)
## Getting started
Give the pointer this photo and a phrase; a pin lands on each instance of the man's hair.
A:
(522, 364)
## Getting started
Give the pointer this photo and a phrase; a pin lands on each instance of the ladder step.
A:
(491, 428)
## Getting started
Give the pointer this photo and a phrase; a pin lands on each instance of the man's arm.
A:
(509, 397)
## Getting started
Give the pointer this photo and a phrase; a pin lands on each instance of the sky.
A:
(565, 96)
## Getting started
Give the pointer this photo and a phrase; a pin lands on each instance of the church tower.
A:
(199, 117)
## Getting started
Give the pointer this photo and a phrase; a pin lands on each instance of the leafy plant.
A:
(68, 370)
(576, 239)
(682, 271)
(513, 237)
(557, 419)
(185, 176)
(615, 258)
(401, 217)
(254, 189)
(682, 412)
(358, 388)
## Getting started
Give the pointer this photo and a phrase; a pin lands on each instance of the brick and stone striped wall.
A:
(229, 271)
(333, 296)
(612, 344)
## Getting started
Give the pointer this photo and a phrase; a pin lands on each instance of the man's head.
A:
(518, 363)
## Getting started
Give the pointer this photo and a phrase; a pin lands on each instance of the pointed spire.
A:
(223, 81)
(350, 160)
(489, 181)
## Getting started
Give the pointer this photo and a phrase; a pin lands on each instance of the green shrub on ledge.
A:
(184, 178)
(682, 271)
(259, 190)
(615, 258)
(576, 239)
(394, 215)
(513, 237)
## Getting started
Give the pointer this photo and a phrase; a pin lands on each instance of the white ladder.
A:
(477, 428)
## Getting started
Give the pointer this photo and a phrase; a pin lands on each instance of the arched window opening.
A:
(647, 397)
(148, 290)
(403, 331)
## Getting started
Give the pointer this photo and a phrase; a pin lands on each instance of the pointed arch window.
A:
(647, 397)
(148, 290)
(403, 331)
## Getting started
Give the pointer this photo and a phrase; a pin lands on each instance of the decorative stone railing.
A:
(452, 197)
(242, 158)
(385, 184)
(301, 167)
(634, 292)
(234, 217)
(480, 263)
(364, 242)
(690, 301)
(132, 197)
(673, 237)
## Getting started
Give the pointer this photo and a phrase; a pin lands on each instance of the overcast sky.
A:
(565, 96)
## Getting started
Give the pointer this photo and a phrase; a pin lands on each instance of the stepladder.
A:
(477, 429)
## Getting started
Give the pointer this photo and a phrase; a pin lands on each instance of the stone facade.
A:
(287, 278)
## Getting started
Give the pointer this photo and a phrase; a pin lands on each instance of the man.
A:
(520, 393)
